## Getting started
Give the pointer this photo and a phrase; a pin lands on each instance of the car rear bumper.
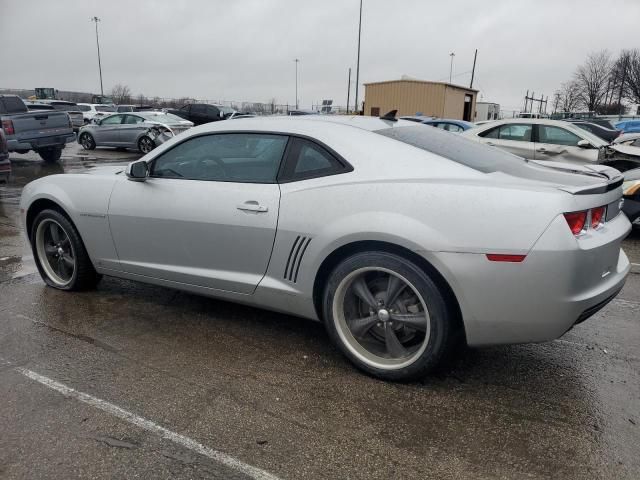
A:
(36, 143)
(561, 282)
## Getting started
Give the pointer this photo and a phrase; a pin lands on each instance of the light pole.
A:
(357, 110)
(297, 61)
(96, 20)
(451, 67)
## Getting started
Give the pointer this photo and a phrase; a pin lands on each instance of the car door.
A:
(108, 131)
(560, 144)
(515, 138)
(206, 215)
(131, 128)
(213, 113)
(198, 114)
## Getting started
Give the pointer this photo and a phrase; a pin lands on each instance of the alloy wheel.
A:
(146, 145)
(55, 252)
(381, 318)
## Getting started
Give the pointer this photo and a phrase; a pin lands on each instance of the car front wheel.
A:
(387, 316)
(87, 141)
(60, 255)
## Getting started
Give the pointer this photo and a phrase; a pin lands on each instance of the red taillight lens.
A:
(597, 214)
(505, 257)
(7, 126)
(576, 221)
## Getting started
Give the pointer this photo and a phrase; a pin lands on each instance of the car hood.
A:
(626, 149)
(105, 171)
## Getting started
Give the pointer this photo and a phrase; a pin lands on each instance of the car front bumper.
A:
(561, 282)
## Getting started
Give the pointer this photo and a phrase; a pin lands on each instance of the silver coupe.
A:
(403, 240)
(139, 130)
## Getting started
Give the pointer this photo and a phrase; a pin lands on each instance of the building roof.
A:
(413, 80)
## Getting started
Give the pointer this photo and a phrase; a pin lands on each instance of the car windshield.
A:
(104, 108)
(162, 117)
(459, 149)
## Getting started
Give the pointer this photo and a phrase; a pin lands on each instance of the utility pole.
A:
(451, 67)
(96, 20)
(358, 64)
(296, 60)
(473, 70)
(348, 89)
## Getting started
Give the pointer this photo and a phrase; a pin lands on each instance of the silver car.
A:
(403, 240)
(140, 130)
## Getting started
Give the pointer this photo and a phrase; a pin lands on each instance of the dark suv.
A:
(200, 113)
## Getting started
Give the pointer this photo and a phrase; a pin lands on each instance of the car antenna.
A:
(391, 116)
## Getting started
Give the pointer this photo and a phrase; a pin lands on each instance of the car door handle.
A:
(491, 144)
(252, 206)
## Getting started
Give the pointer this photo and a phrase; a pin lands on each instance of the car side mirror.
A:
(584, 144)
(137, 171)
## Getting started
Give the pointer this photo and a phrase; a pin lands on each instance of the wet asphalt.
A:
(270, 391)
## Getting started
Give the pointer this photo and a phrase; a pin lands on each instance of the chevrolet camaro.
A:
(403, 239)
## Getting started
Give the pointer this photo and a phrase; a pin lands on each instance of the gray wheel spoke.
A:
(417, 321)
(394, 347)
(361, 289)
(53, 231)
(67, 260)
(361, 326)
(61, 268)
(50, 249)
(394, 287)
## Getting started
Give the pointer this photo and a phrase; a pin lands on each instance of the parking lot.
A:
(133, 380)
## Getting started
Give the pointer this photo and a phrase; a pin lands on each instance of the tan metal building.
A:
(410, 97)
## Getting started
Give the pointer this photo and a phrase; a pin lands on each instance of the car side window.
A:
(557, 136)
(452, 127)
(519, 132)
(224, 157)
(132, 120)
(198, 109)
(212, 111)
(307, 159)
(112, 120)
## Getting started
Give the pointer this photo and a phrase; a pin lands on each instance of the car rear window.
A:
(456, 148)
(12, 105)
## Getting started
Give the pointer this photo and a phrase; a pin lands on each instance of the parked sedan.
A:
(629, 126)
(141, 130)
(544, 139)
(607, 134)
(307, 216)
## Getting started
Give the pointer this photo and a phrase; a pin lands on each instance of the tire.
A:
(145, 145)
(418, 316)
(87, 141)
(50, 154)
(61, 258)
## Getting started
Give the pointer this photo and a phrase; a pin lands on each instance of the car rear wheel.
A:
(50, 154)
(145, 144)
(387, 316)
(60, 255)
(87, 141)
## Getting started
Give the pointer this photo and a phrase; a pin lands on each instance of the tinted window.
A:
(212, 111)
(520, 132)
(228, 157)
(199, 109)
(132, 120)
(112, 120)
(557, 136)
(13, 105)
(307, 159)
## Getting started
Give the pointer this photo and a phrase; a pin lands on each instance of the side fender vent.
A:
(295, 258)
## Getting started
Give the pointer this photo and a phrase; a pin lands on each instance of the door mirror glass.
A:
(137, 171)
(584, 144)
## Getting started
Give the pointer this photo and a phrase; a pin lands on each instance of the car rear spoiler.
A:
(611, 178)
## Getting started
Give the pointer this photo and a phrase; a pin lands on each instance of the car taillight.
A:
(7, 126)
(597, 214)
(576, 221)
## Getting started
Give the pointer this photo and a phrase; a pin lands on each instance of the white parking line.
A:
(220, 457)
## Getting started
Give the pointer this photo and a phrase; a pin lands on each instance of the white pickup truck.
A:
(46, 132)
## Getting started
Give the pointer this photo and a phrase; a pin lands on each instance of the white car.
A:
(95, 110)
(544, 139)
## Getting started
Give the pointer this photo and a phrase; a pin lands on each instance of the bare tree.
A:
(630, 63)
(121, 93)
(592, 78)
(569, 96)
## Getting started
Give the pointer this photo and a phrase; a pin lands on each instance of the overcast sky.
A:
(244, 50)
